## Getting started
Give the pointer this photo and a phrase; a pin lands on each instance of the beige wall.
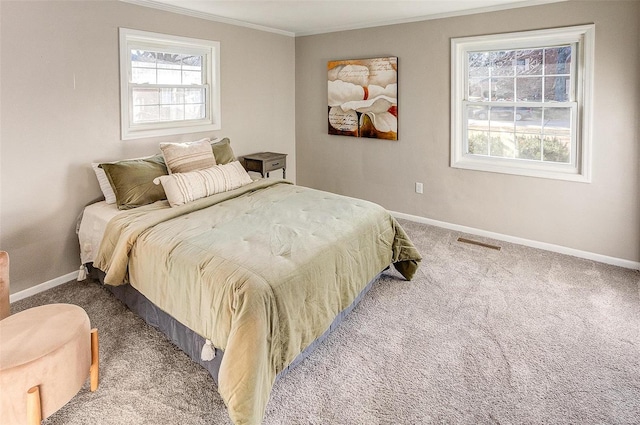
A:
(602, 217)
(60, 111)
(51, 129)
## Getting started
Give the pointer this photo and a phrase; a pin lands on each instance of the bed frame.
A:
(192, 343)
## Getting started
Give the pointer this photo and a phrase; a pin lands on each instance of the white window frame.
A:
(210, 50)
(582, 38)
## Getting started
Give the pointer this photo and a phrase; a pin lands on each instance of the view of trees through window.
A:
(519, 103)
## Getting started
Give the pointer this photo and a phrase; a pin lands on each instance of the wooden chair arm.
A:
(5, 309)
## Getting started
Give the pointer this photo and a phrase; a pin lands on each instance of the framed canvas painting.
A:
(363, 97)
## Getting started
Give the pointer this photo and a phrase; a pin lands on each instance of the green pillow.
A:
(132, 181)
(222, 151)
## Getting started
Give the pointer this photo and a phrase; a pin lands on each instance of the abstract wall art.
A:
(363, 97)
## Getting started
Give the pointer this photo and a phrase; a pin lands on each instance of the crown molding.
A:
(373, 24)
(211, 17)
(208, 16)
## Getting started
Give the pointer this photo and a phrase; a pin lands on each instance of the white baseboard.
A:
(43, 286)
(473, 231)
(521, 241)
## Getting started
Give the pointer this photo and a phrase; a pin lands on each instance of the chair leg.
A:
(95, 360)
(34, 409)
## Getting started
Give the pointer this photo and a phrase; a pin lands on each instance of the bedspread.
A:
(261, 271)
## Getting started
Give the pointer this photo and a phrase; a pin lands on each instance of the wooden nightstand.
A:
(264, 162)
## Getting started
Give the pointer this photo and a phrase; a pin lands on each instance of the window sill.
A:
(471, 162)
(155, 132)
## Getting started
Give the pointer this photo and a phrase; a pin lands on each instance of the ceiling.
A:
(307, 17)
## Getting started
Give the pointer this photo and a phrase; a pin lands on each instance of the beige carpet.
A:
(517, 336)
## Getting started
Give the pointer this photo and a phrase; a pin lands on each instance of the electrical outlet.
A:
(418, 187)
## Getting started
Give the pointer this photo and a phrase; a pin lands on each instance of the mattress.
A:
(93, 223)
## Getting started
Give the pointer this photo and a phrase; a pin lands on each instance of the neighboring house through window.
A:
(521, 103)
(169, 84)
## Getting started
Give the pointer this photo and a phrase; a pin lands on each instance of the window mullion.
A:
(168, 86)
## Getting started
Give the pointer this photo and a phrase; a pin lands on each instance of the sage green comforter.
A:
(261, 271)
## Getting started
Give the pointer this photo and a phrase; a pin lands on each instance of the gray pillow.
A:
(222, 151)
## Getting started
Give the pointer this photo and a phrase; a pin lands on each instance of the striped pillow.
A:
(182, 188)
(188, 156)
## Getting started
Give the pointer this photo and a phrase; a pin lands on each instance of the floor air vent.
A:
(486, 245)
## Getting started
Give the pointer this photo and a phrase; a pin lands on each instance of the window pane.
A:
(169, 76)
(143, 59)
(523, 114)
(143, 96)
(171, 96)
(557, 135)
(502, 117)
(529, 146)
(194, 112)
(143, 114)
(529, 89)
(194, 96)
(557, 121)
(143, 75)
(557, 60)
(558, 118)
(478, 89)
(528, 120)
(529, 62)
(557, 89)
(503, 63)
(479, 64)
(172, 113)
(192, 63)
(502, 145)
(478, 113)
(169, 60)
(478, 142)
(191, 77)
(557, 149)
(502, 88)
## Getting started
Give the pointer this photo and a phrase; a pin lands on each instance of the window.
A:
(521, 103)
(169, 84)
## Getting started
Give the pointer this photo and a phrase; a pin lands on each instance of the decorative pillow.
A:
(103, 181)
(132, 181)
(188, 156)
(182, 188)
(222, 151)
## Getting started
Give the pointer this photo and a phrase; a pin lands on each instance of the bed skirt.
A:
(189, 341)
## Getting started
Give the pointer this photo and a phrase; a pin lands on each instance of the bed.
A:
(258, 274)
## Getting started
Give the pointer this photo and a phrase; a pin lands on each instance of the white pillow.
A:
(182, 188)
(188, 156)
(103, 181)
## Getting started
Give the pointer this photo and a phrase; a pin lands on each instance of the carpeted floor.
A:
(517, 336)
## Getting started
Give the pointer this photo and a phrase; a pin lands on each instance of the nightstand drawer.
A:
(275, 165)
